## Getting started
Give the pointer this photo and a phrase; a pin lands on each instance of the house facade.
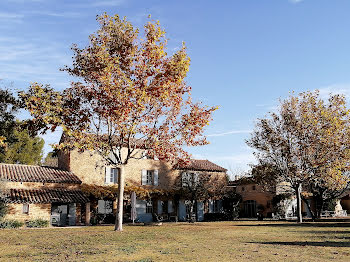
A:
(255, 200)
(144, 173)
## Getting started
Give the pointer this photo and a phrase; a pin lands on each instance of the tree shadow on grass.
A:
(327, 232)
(291, 224)
(307, 243)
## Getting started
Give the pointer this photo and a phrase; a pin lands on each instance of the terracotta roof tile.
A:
(26, 173)
(45, 196)
(202, 165)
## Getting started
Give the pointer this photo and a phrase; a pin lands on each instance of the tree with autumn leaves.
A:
(307, 145)
(130, 95)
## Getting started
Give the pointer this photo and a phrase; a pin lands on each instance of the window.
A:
(250, 208)
(25, 209)
(243, 188)
(113, 179)
(105, 207)
(164, 207)
(149, 207)
(149, 177)
(253, 187)
(216, 206)
(189, 179)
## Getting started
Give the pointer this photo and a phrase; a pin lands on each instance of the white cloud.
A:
(24, 62)
(295, 1)
(108, 3)
(26, 1)
(11, 17)
(231, 132)
(335, 89)
(55, 14)
(242, 158)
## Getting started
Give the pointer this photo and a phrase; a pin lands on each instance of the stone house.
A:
(42, 192)
(150, 174)
(59, 194)
(255, 198)
(258, 199)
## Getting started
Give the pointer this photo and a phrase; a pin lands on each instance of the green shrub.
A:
(10, 224)
(3, 209)
(37, 223)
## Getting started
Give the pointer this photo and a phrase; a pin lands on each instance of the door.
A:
(72, 214)
(59, 213)
(250, 208)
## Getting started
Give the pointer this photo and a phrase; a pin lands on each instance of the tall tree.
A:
(17, 145)
(133, 95)
(3, 207)
(8, 108)
(297, 140)
(25, 149)
(326, 148)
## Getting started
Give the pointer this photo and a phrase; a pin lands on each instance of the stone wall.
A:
(15, 211)
(35, 185)
(261, 197)
(91, 169)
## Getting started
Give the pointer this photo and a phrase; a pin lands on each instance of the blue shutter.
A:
(200, 211)
(182, 211)
(143, 177)
(170, 206)
(160, 207)
(211, 206)
(155, 177)
(107, 175)
(116, 174)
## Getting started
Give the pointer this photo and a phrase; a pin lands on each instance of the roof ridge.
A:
(8, 164)
(31, 173)
(49, 167)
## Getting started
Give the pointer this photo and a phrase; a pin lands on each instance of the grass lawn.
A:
(216, 241)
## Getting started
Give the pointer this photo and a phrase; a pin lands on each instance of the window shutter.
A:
(196, 179)
(116, 174)
(183, 179)
(211, 209)
(25, 209)
(108, 175)
(155, 178)
(143, 177)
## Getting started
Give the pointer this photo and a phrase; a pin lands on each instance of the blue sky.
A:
(246, 54)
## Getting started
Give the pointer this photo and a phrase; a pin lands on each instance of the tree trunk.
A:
(298, 193)
(120, 206)
(320, 206)
(192, 212)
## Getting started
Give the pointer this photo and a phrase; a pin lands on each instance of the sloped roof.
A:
(26, 173)
(201, 165)
(45, 196)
